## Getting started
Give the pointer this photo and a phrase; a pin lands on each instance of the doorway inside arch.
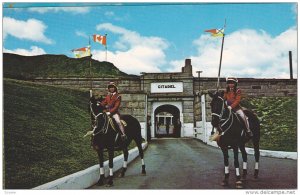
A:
(167, 121)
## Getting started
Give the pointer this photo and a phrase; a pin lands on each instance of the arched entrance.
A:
(166, 121)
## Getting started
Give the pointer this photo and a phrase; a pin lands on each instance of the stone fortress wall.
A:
(139, 99)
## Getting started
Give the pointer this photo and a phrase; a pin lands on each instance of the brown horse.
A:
(233, 135)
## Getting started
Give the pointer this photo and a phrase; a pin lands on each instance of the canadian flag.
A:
(100, 39)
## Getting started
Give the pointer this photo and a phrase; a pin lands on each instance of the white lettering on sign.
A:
(170, 87)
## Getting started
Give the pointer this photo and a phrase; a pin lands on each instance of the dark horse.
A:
(106, 136)
(233, 135)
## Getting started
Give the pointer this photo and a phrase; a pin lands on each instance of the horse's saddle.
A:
(118, 143)
(248, 114)
(114, 124)
(124, 123)
(241, 120)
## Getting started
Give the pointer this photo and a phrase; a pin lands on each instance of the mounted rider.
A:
(112, 103)
(233, 97)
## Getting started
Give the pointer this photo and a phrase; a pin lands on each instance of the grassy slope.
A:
(29, 67)
(278, 116)
(43, 133)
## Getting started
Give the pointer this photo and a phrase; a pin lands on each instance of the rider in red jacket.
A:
(112, 103)
(233, 97)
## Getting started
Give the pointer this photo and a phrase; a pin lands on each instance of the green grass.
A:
(278, 117)
(43, 133)
(59, 66)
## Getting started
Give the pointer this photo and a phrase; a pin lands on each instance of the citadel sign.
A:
(167, 87)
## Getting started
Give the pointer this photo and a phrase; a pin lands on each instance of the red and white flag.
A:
(100, 39)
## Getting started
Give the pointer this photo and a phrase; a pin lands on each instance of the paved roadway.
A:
(190, 164)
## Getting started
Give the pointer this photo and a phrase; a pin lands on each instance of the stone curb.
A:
(204, 137)
(88, 177)
(275, 154)
(266, 153)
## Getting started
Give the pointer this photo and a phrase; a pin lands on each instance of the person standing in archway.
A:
(148, 128)
(177, 127)
(168, 127)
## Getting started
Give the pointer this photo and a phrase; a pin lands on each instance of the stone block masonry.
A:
(138, 99)
(253, 87)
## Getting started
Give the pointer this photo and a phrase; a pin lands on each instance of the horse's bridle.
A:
(104, 129)
(230, 117)
(222, 111)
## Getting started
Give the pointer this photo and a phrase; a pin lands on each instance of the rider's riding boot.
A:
(247, 128)
(248, 131)
(123, 135)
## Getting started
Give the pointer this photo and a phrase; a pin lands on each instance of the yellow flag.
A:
(82, 52)
(216, 32)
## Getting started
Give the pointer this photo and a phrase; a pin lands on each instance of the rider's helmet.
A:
(112, 84)
(232, 80)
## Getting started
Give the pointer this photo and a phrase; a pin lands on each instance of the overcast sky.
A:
(159, 37)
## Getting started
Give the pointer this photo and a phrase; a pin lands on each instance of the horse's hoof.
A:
(244, 176)
(143, 169)
(122, 174)
(224, 183)
(101, 181)
(110, 182)
(239, 184)
(255, 173)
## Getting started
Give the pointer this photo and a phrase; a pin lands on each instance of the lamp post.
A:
(199, 71)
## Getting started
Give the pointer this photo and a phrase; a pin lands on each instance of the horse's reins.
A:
(93, 111)
(221, 124)
(105, 125)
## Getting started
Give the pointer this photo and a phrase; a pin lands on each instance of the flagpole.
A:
(91, 83)
(106, 48)
(218, 83)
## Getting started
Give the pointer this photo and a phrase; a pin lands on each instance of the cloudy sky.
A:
(153, 37)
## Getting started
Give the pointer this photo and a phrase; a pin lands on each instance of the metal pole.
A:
(90, 74)
(106, 48)
(218, 83)
(291, 65)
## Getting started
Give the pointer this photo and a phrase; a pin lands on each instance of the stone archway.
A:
(165, 118)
